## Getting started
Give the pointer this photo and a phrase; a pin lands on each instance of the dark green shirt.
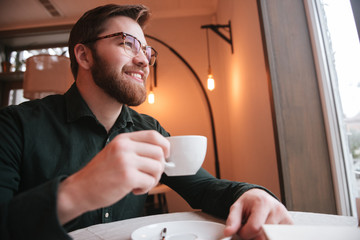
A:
(44, 141)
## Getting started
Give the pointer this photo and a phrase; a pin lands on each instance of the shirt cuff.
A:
(33, 214)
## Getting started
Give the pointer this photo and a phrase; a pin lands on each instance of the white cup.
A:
(187, 154)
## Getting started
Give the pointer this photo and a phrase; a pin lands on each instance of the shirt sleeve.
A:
(31, 214)
(205, 192)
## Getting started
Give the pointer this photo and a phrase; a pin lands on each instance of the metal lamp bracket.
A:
(216, 27)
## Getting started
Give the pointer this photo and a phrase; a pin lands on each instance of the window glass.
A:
(340, 82)
(17, 61)
(16, 96)
(18, 58)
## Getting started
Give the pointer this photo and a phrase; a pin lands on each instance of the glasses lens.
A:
(131, 45)
(150, 55)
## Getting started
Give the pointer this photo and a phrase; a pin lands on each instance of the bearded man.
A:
(74, 160)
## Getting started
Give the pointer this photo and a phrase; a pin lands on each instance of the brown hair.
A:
(91, 24)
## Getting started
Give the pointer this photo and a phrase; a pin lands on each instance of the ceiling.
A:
(27, 23)
(19, 14)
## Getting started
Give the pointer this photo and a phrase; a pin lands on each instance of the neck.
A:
(105, 108)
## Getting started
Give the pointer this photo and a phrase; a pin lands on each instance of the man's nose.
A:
(141, 59)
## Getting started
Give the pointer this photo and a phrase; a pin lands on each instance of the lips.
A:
(138, 76)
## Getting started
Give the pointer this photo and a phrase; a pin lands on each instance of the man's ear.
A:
(83, 56)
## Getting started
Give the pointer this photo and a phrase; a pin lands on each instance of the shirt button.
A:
(106, 215)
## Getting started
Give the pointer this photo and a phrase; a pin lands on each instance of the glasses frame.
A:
(123, 36)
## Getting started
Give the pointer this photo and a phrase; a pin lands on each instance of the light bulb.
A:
(210, 82)
(151, 97)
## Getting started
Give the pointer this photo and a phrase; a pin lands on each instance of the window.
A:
(337, 56)
(16, 96)
(18, 58)
(17, 61)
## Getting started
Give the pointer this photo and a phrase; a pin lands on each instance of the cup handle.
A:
(169, 165)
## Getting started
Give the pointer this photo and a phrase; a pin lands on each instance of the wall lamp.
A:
(215, 28)
(153, 83)
(217, 163)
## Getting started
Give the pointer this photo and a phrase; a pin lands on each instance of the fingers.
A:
(153, 138)
(144, 143)
(150, 151)
(251, 211)
(145, 183)
(143, 150)
(253, 226)
(148, 174)
(279, 215)
(261, 236)
(130, 162)
(140, 156)
(250, 228)
(253, 230)
(233, 222)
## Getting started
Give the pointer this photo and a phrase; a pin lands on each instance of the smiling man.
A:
(85, 157)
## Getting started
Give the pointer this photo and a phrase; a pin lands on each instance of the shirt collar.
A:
(124, 119)
(77, 108)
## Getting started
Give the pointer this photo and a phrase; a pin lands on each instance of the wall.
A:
(179, 104)
(240, 101)
(250, 122)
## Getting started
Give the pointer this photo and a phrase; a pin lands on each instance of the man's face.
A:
(121, 76)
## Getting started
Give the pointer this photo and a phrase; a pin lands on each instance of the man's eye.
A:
(128, 45)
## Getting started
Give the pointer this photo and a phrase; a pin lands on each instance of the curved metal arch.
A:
(217, 163)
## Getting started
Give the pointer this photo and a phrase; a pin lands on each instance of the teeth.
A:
(136, 75)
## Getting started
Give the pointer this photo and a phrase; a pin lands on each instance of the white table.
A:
(122, 230)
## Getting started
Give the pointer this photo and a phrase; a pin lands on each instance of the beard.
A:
(116, 86)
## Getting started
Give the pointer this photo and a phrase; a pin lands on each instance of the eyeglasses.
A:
(131, 46)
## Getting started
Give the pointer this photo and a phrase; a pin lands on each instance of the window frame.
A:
(300, 136)
(338, 147)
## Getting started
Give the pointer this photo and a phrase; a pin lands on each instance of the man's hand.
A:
(131, 162)
(252, 210)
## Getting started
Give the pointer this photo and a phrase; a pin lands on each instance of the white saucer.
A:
(181, 230)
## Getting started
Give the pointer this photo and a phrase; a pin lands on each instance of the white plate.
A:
(181, 230)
